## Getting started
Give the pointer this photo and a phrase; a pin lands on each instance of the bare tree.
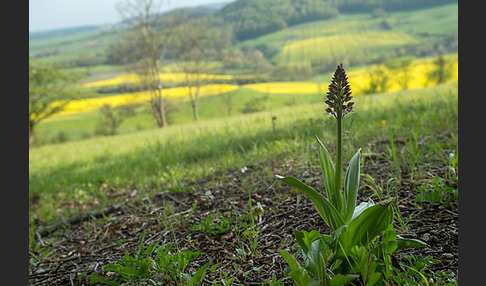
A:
(442, 70)
(196, 46)
(113, 116)
(401, 68)
(147, 45)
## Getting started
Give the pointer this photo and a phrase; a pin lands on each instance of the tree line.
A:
(253, 18)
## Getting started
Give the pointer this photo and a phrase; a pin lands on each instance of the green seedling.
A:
(437, 191)
(275, 281)
(214, 224)
(414, 271)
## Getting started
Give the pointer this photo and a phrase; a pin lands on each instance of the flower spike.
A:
(339, 95)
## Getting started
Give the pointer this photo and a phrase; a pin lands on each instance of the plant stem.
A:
(339, 163)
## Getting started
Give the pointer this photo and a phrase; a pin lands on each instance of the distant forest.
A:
(253, 18)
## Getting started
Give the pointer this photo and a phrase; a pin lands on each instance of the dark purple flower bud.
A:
(339, 94)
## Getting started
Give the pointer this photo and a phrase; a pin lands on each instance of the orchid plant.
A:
(356, 230)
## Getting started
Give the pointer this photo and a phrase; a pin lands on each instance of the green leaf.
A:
(361, 207)
(294, 265)
(388, 242)
(318, 260)
(325, 209)
(213, 268)
(299, 236)
(301, 278)
(351, 186)
(304, 238)
(409, 242)
(366, 262)
(328, 174)
(365, 227)
(340, 279)
(199, 275)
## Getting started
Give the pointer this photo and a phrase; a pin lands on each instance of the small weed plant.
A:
(219, 223)
(152, 260)
(438, 191)
(362, 238)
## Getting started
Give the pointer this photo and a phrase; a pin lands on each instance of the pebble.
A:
(446, 256)
(426, 237)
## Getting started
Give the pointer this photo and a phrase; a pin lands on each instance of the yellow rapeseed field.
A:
(176, 93)
(166, 77)
(358, 78)
(341, 44)
(417, 73)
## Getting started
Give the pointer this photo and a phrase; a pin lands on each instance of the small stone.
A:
(446, 256)
(426, 237)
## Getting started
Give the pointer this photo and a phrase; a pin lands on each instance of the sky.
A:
(45, 15)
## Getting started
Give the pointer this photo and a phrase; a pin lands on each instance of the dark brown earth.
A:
(84, 247)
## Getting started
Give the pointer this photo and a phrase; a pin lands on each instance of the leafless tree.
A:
(196, 45)
(146, 40)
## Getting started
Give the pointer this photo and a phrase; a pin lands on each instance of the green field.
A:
(61, 173)
(361, 38)
(69, 46)
(78, 126)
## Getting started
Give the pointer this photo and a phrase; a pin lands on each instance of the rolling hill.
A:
(276, 27)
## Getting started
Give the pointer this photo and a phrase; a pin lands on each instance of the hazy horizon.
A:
(47, 15)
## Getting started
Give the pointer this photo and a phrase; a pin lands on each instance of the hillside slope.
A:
(362, 38)
(253, 18)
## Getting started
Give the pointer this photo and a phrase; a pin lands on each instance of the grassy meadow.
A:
(73, 173)
(66, 46)
(79, 119)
